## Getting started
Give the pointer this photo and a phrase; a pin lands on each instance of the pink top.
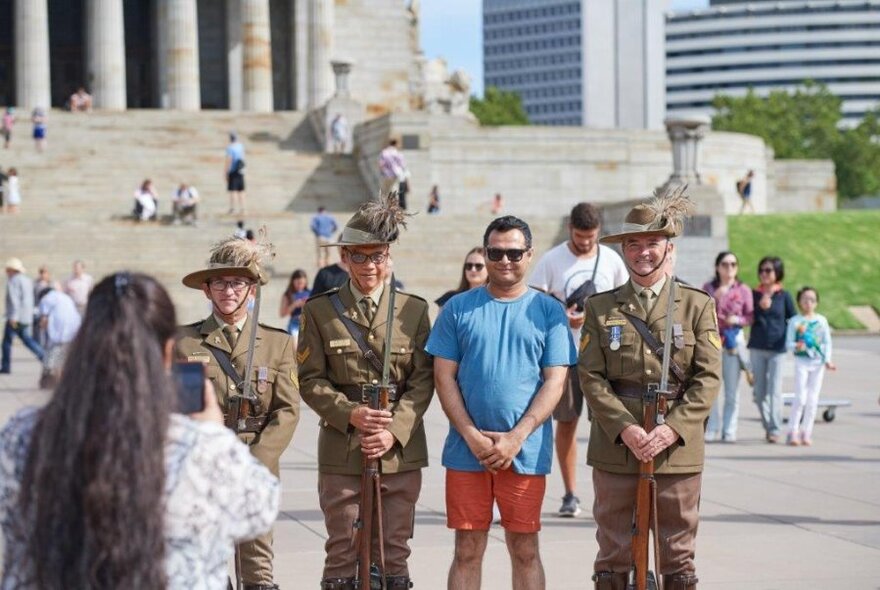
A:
(735, 302)
(8, 121)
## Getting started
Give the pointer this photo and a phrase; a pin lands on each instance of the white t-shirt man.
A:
(560, 272)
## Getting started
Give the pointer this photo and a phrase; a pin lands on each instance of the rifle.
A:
(645, 512)
(371, 576)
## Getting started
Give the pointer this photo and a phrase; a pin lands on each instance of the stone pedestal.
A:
(105, 51)
(321, 23)
(256, 56)
(705, 232)
(179, 45)
(341, 105)
(32, 54)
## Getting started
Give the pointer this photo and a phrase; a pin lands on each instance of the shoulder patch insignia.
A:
(715, 340)
(303, 355)
(294, 378)
(585, 341)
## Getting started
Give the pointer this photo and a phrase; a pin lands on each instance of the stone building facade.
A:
(248, 55)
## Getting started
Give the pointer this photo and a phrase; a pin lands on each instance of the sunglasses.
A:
(359, 258)
(474, 266)
(513, 254)
(766, 270)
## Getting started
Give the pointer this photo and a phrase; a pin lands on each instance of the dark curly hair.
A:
(95, 474)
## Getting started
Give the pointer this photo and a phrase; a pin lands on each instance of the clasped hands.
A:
(495, 450)
(647, 445)
(372, 426)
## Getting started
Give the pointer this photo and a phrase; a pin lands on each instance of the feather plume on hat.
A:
(236, 257)
(384, 217)
(671, 207)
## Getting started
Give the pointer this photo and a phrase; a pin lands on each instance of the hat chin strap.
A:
(234, 311)
(653, 270)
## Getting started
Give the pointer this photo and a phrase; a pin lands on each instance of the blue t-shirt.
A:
(501, 348)
(235, 151)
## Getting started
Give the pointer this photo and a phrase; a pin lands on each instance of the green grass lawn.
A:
(837, 253)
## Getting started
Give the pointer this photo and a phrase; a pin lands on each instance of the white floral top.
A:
(216, 493)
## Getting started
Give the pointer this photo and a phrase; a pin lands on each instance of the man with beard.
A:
(571, 272)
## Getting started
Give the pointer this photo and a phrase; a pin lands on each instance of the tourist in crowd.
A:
(80, 101)
(292, 301)
(40, 121)
(571, 272)
(497, 205)
(185, 201)
(146, 202)
(744, 189)
(734, 306)
(12, 198)
(42, 282)
(3, 179)
(107, 486)
(234, 171)
(59, 322)
(473, 274)
(330, 277)
(8, 124)
(392, 168)
(773, 307)
(323, 226)
(434, 200)
(79, 285)
(339, 134)
(808, 336)
(19, 313)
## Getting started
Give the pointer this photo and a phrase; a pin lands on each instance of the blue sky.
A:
(452, 29)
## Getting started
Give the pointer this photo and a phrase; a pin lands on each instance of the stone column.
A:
(685, 133)
(180, 47)
(234, 54)
(256, 56)
(300, 57)
(321, 23)
(32, 85)
(105, 50)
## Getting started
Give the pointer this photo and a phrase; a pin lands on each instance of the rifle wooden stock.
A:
(371, 496)
(240, 409)
(643, 512)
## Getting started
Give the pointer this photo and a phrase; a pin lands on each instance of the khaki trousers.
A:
(339, 497)
(678, 502)
(256, 560)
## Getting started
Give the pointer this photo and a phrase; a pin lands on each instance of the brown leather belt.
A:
(355, 394)
(637, 391)
(253, 424)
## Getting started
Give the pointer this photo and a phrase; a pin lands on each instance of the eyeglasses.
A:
(513, 254)
(220, 285)
(766, 270)
(730, 264)
(474, 266)
(375, 258)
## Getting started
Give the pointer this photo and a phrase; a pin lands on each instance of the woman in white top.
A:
(106, 487)
(13, 192)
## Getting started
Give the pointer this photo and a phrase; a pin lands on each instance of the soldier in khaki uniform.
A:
(332, 368)
(615, 366)
(229, 281)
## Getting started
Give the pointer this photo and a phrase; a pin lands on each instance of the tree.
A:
(806, 124)
(499, 107)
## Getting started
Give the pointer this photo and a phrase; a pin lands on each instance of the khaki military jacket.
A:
(633, 362)
(278, 393)
(329, 359)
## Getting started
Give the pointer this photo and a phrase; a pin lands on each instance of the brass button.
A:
(402, 350)
(648, 351)
(647, 371)
(375, 382)
(371, 336)
(232, 386)
(338, 351)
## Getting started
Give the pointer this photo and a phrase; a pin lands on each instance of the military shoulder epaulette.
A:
(273, 328)
(399, 292)
(608, 292)
(195, 324)
(692, 288)
(324, 293)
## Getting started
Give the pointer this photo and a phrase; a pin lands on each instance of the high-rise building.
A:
(598, 63)
(733, 46)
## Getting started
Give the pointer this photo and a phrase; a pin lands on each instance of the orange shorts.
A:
(470, 495)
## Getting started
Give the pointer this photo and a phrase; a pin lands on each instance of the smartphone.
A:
(190, 381)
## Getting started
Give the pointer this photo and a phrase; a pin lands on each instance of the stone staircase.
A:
(76, 194)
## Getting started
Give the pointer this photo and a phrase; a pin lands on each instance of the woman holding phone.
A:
(107, 486)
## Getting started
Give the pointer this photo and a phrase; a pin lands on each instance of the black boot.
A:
(398, 582)
(261, 587)
(338, 584)
(680, 582)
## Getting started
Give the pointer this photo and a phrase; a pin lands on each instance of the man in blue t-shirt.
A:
(502, 354)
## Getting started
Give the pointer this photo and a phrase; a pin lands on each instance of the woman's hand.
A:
(212, 412)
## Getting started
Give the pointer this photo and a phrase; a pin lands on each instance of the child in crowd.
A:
(809, 336)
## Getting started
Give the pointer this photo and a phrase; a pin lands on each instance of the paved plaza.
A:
(773, 517)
